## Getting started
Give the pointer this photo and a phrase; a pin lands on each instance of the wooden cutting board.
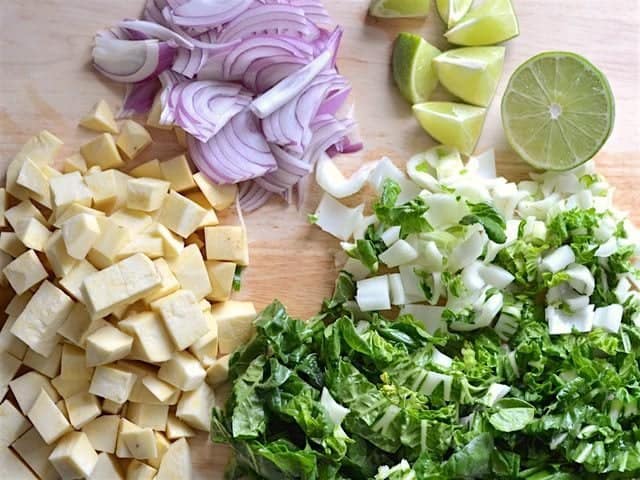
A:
(47, 82)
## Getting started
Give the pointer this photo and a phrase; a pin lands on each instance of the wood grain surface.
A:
(47, 82)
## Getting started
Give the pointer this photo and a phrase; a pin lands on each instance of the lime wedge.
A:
(413, 71)
(471, 73)
(451, 11)
(490, 22)
(452, 124)
(558, 110)
(399, 8)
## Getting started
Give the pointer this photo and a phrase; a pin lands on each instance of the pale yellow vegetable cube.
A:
(48, 365)
(181, 215)
(33, 179)
(134, 221)
(104, 188)
(103, 433)
(74, 163)
(182, 317)
(107, 468)
(67, 388)
(176, 463)
(13, 424)
(70, 188)
(221, 276)
(183, 371)
(79, 325)
(133, 138)
(33, 234)
(195, 407)
(227, 243)
(25, 272)
(151, 246)
(206, 348)
(151, 342)
(113, 238)
(27, 387)
(73, 280)
(80, 234)
(72, 210)
(161, 390)
(109, 406)
(211, 218)
(126, 427)
(176, 428)
(12, 466)
(21, 213)
(9, 366)
(11, 244)
(47, 419)
(146, 194)
(191, 272)
(150, 169)
(169, 282)
(218, 372)
(107, 345)
(153, 119)
(148, 416)
(219, 196)
(74, 457)
(140, 471)
(44, 314)
(177, 171)
(59, 259)
(102, 152)
(82, 408)
(235, 324)
(172, 243)
(73, 364)
(100, 119)
(162, 444)
(35, 453)
(181, 136)
(9, 342)
(41, 148)
(112, 383)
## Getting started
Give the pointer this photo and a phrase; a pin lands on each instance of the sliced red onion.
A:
(327, 131)
(159, 32)
(139, 97)
(131, 61)
(208, 13)
(190, 62)
(264, 73)
(313, 9)
(252, 196)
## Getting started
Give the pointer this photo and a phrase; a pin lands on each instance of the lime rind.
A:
(452, 11)
(399, 8)
(558, 110)
(489, 23)
(471, 73)
(413, 69)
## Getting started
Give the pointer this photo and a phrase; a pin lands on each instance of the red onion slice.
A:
(153, 30)
(139, 97)
(252, 196)
(208, 13)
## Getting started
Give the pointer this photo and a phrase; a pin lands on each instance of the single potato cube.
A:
(100, 119)
(32, 178)
(183, 371)
(67, 388)
(72, 282)
(191, 272)
(79, 325)
(27, 387)
(181, 215)
(126, 427)
(48, 365)
(104, 188)
(177, 171)
(80, 234)
(176, 428)
(235, 324)
(172, 243)
(107, 468)
(133, 138)
(70, 188)
(11, 244)
(195, 407)
(182, 317)
(107, 345)
(25, 272)
(74, 163)
(149, 169)
(206, 348)
(33, 234)
(169, 283)
(210, 218)
(74, 457)
(219, 196)
(161, 390)
(21, 213)
(82, 408)
(35, 453)
(112, 383)
(113, 238)
(12, 424)
(228, 243)
(72, 210)
(149, 416)
(146, 194)
(47, 419)
(162, 445)
(218, 372)
(103, 433)
(176, 463)
(151, 342)
(59, 259)
(13, 468)
(221, 276)
(140, 471)
(102, 152)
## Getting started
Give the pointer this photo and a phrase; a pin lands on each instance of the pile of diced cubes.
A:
(120, 322)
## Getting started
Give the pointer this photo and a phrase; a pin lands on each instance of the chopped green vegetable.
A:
(237, 278)
(487, 216)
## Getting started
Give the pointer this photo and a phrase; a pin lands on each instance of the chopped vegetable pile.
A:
(514, 355)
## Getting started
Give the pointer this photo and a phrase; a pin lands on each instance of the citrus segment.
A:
(399, 8)
(451, 11)
(413, 70)
(490, 22)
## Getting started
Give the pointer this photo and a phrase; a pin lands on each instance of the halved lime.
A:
(490, 22)
(413, 71)
(452, 124)
(399, 8)
(451, 11)
(471, 73)
(558, 110)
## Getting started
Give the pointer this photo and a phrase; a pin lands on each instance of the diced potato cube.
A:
(235, 324)
(104, 188)
(59, 259)
(151, 341)
(112, 383)
(140, 471)
(113, 238)
(25, 272)
(74, 457)
(9, 366)
(206, 348)
(27, 387)
(221, 276)
(107, 468)
(80, 234)
(107, 345)
(182, 317)
(22, 212)
(72, 210)
(190, 270)
(12, 467)
(176, 428)
(82, 408)
(218, 372)
(79, 325)
(211, 218)
(102, 152)
(133, 220)
(12, 424)
(152, 247)
(73, 280)
(181, 215)
(148, 416)
(47, 419)
(41, 318)
(161, 390)
(195, 407)
(11, 244)
(176, 463)
(47, 365)
(41, 148)
(35, 453)
(219, 196)
(133, 139)
(169, 282)
(9, 342)
(31, 177)
(33, 234)
(100, 119)
(228, 243)
(70, 188)
(146, 194)
(103, 433)
(177, 171)
(149, 169)
(182, 371)
(74, 163)
(153, 119)
(67, 388)
(73, 365)
(172, 243)
(162, 444)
